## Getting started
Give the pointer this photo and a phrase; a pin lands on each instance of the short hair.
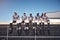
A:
(15, 13)
(24, 13)
(45, 13)
(37, 13)
(42, 15)
(30, 13)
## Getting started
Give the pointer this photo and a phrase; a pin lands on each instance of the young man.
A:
(25, 28)
(37, 21)
(45, 19)
(37, 17)
(15, 19)
(24, 17)
(30, 18)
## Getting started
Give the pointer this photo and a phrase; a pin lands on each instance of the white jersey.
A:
(15, 17)
(30, 18)
(24, 17)
(37, 17)
(45, 18)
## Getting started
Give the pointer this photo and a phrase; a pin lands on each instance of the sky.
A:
(8, 7)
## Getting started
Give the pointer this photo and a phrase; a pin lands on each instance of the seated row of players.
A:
(37, 19)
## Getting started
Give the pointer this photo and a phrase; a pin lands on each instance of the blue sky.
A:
(7, 7)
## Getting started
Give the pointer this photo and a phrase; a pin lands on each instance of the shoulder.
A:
(18, 15)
